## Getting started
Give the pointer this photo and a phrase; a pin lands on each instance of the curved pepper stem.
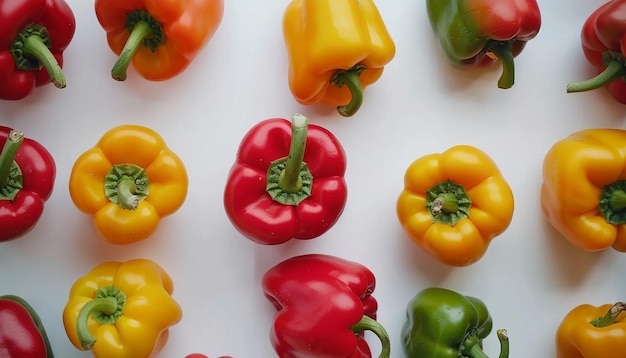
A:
(144, 31)
(611, 316)
(472, 349)
(351, 79)
(31, 50)
(106, 308)
(10, 173)
(126, 185)
(369, 324)
(289, 179)
(502, 51)
(615, 69)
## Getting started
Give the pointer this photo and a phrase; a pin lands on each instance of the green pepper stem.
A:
(369, 324)
(351, 79)
(106, 305)
(8, 154)
(611, 316)
(446, 202)
(472, 349)
(617, 201)
(290, 180)
(503, 52)
(141, 30)
(35, 46)
(613, 71)
(126, 191)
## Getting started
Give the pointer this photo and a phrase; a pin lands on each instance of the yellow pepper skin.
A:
(128, 182)
(454, 203)
(331, 43)
(582, 194)
(122, 310)
(590, 331)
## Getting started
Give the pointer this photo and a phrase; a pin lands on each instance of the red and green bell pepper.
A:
(603, 40)
(22, 333)
(34, 35)
(442, 323)
(27, 173)
(287, 182)
(334, 297)
(477, 33)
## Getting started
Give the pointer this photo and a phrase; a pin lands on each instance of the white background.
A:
(529, 278)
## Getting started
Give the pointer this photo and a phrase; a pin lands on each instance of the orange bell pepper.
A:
(454, 203)
(593, 332)
(583, 194)
(128, 182)
(122, 310)
(160, 37)
(331, 43)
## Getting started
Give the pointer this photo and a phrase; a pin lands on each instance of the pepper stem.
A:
(351, 79)
(141, 30)
(472, 349)
(612, 202)
(7, 156)
(126, 185)
(290, 180)
(369, 324)
(31, 50)
(502, 51)
(106, 308)
(448, 202)
(611, 316)
(613, 71)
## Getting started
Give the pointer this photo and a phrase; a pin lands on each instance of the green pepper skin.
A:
(476, 33)
(444, 324)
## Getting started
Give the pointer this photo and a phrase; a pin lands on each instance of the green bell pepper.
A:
(445, 324)
(476, 33)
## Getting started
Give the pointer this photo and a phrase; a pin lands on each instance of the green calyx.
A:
(610, 317)
(471, 346)
(10, 173)
(351, 79)
(289, 179)
(106, 308)
(144, 30)
(448, 203)
(31, 52)
(612, 203)
(502, 51)
(369, 324)
(126, 185)
(615, 69)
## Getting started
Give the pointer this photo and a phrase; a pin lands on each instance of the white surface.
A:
(529, 278)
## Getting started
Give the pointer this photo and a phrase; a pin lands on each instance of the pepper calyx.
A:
(144, 30)
(611, 316)
(126, 185)
(289, 180)
(350, 78)
(106, 308)
(10, 173)
(612, 204)
(614, 70)
(369, 324)
(448, 203)
(31, 51)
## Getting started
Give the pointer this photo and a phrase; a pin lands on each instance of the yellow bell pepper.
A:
(128, 182)
(454, 203)
(122, 310)
(590, 331)
(331, 43)
(583, 194)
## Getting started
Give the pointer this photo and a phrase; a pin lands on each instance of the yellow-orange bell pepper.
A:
(583, 194)
(122, 310)
(331, 43)
(160, 37)
(128, 182)
(589, 331)
(454, 203)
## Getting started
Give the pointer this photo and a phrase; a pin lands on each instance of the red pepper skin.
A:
(15, 15)
(19, 216)
(331, 295)
(603, 39)
(22, 335)
(263, 220)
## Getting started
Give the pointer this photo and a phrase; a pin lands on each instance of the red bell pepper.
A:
(334, 297)
(277, 191)
(27, 173)
(34, 35)
(603, 40)
(22, 334)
